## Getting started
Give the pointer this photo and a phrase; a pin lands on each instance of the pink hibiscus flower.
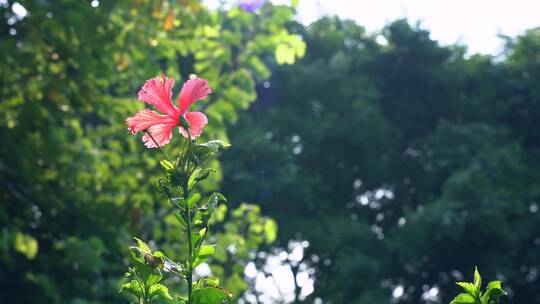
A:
(158, 92)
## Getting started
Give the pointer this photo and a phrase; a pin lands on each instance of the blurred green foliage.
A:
(73, 184)
(403, 163)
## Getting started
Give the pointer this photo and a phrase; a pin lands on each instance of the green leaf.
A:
(215, 198)
(149, 275)
(493, 292)
(207, 209)
(198, 261)
(196, 238)
(158, 254)
(203, 254)
(143, 246)
(146, 264)
(495, 285)
(284, 54)
(207, 250)
(209, 295)
(202, 151)
(167, 165)
(178, 201)
(199, 175)
(463, 298)
(159, 290)
(204, 174)
(211, 282)
(477, 279)
(469, 288)
(270, 230)
(163, 188)
(180, 219)
(192, 200)
(178, 177)
(132, 287)
(136, 254)
(26, 244)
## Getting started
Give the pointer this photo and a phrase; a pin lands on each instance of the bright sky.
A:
(475, 23)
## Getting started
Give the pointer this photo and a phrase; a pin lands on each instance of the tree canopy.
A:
(403, 163)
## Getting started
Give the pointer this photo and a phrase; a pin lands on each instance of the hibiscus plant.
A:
(182, 174)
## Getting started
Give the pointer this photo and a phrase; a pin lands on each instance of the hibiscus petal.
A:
(197, 121)
(158, 92)
(145, 119)
(193, 89)
(162, 134)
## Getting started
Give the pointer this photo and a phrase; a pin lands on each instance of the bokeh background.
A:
(368, 165)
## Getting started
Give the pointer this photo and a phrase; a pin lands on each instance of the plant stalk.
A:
(188, 228)
(190, 248)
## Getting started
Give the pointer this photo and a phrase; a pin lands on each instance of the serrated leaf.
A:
(463, 298)
(143, 246)
(469, 288)
(136, 254)
(206, 250)
(209, 295)
(494, 284)
(204, 253)
(211, 282)
(159, 290)
(132, 287)
(149, 275)
(493, 292)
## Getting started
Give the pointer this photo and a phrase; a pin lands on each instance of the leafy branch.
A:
(194, 214)
(474, 295)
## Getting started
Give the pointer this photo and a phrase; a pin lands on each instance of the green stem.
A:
(147, 300)
(190, 142)
(188, 228)
(143, 289)
(190, 265)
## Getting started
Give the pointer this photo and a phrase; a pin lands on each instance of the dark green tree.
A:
(403, 163)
